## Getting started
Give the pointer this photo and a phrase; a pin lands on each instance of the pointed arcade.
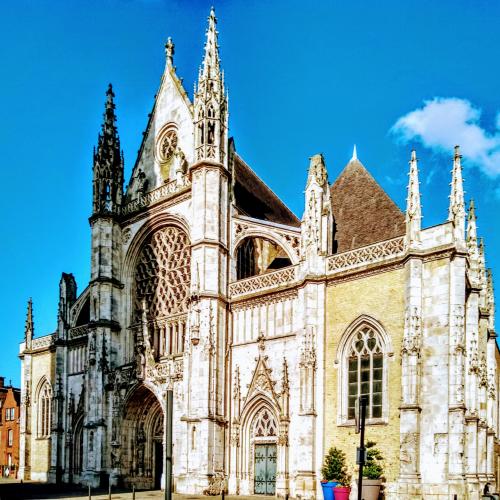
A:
(413, 206)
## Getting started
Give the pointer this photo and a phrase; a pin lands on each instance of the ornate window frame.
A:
(342, 363)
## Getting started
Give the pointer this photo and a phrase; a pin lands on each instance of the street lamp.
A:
(168, 441)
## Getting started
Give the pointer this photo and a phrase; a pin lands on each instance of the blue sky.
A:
(301, 80)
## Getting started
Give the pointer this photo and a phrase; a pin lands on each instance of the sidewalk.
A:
(14, 490)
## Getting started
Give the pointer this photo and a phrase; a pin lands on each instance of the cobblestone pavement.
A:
(14, 490)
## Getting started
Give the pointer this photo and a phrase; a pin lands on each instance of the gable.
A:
(171, 117)
(363, 212)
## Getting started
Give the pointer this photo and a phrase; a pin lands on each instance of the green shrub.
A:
(334, 467)
(373, 466)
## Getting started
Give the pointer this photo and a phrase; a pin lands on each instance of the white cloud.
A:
(444, 122)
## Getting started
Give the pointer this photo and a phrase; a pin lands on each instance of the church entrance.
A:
(158, 464)
(265, 469)
(142, 440)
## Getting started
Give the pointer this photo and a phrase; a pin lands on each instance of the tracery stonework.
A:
(162, 274)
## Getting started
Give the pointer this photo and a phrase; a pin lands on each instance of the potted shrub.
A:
(334, 472)
(372, 472)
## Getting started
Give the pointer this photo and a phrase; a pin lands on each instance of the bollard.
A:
(109, 491)
(222, 493)
(133, 492)
(90, 493)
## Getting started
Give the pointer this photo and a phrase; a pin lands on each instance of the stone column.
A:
(410, 378)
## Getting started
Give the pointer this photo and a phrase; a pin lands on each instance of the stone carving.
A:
(285, 276)
(474, 357)
(140, 443)
(492, 390)
(366, 255)
(457, 328)
(261, 380)
(168, 145)
(412, 333)
(43, 342)
(162, 193)
(78, 331)
(216, 484)
(308, 349)
(310, 238)
(126, 233)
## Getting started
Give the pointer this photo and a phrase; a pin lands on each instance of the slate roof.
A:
(363, 211)
(255, 199)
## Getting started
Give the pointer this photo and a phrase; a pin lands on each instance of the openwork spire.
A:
(210, 102)
(456, 212)
(211, 63)
(413, 207)
(108, 163)
(29, 328)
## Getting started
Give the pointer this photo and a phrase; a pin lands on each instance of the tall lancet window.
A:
(44, 410)
(364, 353)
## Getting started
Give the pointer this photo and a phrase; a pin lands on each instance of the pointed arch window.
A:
(363, 363)
(44, 410)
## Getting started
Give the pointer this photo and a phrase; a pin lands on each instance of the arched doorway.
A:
(264, 436)
(142, 440)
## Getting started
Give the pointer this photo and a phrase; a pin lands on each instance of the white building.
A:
(267, 327)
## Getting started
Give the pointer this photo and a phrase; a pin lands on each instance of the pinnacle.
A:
(354, 153)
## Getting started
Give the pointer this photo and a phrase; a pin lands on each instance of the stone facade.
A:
(266, 327)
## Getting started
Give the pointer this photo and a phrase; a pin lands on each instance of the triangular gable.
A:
(363, 212)
(172, 108)
(262, 383)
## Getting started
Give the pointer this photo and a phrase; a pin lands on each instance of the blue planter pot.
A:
(328, 489)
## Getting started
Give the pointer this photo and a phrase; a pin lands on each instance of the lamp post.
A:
(361, 452)
(168, 442)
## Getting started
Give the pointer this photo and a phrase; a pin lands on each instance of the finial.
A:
(211, 63)
(169, 52)
(456, 212)
(29, 328)
(354, 153)
(413, 207)
(472, 229)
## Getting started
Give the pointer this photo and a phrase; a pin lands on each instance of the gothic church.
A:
(267, 327)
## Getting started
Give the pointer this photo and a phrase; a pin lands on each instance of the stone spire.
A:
(456, 213)
(210, 102)
(354, 153)
(211, 62)
(413, 207)
(108, 163)
(29, 328)
(169, 52)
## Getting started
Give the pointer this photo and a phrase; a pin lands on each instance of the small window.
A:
(10, 437)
